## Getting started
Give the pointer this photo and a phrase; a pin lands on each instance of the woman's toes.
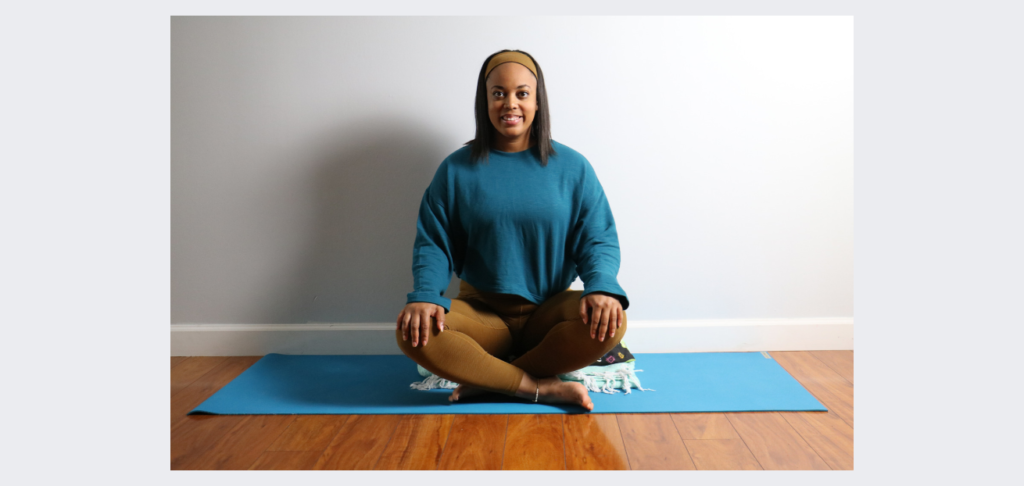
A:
(557, 391)
(587, 403)
(465, 391)
(583, 397)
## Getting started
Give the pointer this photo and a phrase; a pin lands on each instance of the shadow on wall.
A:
(356, 263)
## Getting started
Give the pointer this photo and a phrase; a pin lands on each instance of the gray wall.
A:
(301, 148)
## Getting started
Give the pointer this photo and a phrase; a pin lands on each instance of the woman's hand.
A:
(606, 317)
(414, 321)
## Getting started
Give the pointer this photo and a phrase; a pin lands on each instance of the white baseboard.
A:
(679, 336)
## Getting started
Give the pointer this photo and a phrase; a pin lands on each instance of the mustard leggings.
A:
(482, 330)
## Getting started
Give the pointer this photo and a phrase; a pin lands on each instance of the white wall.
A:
(301, 148)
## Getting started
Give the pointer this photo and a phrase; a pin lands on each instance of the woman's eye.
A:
(525, 93)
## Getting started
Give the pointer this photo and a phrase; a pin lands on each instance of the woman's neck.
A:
(506, 145)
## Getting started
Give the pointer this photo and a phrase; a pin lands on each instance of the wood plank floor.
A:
(676, 441)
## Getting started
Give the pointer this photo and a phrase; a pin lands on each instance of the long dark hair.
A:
(540, 130)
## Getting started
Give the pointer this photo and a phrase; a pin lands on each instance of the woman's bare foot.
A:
(465, 391)
(553, 390)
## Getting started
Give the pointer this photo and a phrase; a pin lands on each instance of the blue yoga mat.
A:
(683, 382)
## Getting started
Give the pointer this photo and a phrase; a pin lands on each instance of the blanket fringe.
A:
(609, 381)
(433, 381)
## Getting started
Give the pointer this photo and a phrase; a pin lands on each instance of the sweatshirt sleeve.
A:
(595, 242)
(432, 257)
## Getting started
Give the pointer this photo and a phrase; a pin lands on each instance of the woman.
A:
(517, 216)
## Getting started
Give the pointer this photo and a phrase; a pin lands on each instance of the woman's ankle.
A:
(529, 387)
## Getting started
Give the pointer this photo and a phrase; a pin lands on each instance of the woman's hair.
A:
(540, 130)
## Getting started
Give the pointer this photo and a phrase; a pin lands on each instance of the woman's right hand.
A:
(414, 321)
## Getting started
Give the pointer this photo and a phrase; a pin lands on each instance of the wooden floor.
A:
(749, 440)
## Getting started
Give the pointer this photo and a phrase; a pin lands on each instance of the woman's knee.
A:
(414, 352)
(609, 342)
(619, 331)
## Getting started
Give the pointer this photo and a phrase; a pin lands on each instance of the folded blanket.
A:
(615, 370)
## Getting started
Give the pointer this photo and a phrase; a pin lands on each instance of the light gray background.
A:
(300, 149)
(86, 203)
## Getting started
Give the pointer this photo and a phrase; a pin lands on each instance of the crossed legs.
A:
(553, 339)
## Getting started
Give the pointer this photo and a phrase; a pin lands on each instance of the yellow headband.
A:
(511, 56)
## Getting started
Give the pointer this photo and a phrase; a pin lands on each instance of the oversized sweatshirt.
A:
(510, 225)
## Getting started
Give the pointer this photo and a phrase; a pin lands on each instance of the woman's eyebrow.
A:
(502, 87)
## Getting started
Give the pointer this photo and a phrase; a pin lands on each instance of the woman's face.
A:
(512, 102)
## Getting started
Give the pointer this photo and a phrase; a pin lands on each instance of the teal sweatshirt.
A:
(510, 225)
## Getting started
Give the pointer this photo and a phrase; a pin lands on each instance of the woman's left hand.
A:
(606, 316)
